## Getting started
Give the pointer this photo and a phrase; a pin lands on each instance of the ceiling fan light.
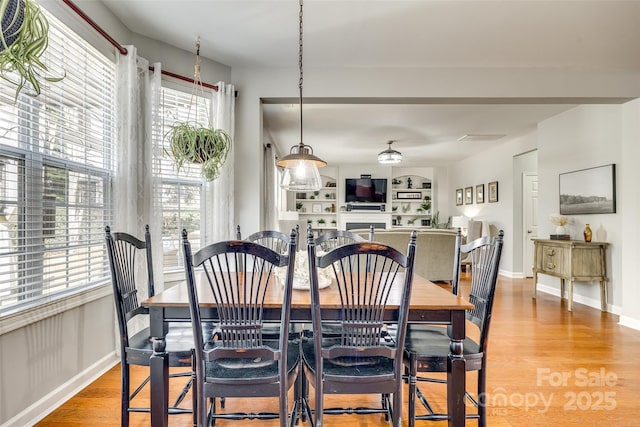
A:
(389, 156)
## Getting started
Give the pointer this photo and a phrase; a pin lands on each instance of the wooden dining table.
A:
(430, 304)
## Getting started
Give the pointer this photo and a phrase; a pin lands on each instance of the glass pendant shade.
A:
(301, 169)
(389, 156)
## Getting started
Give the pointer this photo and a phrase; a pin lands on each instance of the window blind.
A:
(56, 163)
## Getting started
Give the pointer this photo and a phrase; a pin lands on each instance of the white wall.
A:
(583, 137)
(628, 176)
(495, 164)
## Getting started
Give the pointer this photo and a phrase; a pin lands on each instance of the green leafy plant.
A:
(426, 204)
(24, 37)
(196, 144)
(192, 142)
(298, 206)
(321, 221)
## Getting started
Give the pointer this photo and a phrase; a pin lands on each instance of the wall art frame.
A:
(588, 191)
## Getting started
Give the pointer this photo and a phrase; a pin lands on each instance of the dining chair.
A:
(242, 363)
(129, 258)
(332, 239)
(360, 360)
(272, 239)
(427, 347)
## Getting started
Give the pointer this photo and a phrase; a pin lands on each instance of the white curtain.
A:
(270, 206)
(220, 213)
(138, 103)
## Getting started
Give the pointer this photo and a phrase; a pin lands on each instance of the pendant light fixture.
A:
(301, 165)
(389, 156)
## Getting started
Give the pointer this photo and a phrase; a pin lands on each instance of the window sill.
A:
(22, 318)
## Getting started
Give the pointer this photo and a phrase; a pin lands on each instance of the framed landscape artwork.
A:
(480, 193)
(588, 191)
(468, 196)
(493, 191)
(459, 197)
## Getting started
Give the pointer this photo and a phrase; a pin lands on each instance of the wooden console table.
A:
(572, 260)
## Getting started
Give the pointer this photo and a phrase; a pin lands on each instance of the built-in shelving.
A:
(411, 201)
(319, 208)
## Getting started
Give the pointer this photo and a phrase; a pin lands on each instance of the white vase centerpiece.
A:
(559, 221)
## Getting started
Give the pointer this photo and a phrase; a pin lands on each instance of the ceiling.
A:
(591, 34)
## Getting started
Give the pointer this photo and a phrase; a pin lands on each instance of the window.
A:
(55, 176)
(180, 195)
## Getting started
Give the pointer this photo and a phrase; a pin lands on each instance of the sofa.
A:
(435, 249)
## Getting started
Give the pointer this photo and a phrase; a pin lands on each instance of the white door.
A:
(530, 220)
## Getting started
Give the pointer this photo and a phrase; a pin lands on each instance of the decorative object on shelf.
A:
(409, 195)
(301, 165)
(405, 207)
(493, 191)
(333, 222)
(588, 191)
(426, 204)
(396, 181)
(398, 220)
(459, 198)
(409, 183)
(316, 208)
(327, 209)
(193, 142)
(299, 205)
(321, 221)
(559, 221)
(333, 207)
(312, 197)
(425, 222)
(301, 195)
(411, 221)
(330, 184)
(389, 156)
(468, 195)
(426, 185)
(394, 208)
(601, 234)
(24, 36)
(480, 193)
(587, 233)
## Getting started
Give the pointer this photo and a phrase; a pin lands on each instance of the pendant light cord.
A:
(300, 67)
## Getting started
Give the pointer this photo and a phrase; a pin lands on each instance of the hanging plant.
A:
(23, 40)
(191, 142)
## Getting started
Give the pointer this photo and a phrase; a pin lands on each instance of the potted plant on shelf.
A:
(321, 221)
(426, 204)
(24, 37)
(333, 222)
(193, 142)
(298, 206)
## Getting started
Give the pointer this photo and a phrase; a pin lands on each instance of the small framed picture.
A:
(459, 197)
(316, 208)
(493, 191)
(468, 195)
(480, 193)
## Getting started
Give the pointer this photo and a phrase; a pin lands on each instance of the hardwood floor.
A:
(546, 366)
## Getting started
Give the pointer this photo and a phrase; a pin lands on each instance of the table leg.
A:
(535, 283)
(570, 296)
(159, 370)
(603, 295)
(456, 371)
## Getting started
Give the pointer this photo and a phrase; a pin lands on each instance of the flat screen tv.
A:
(366, 190)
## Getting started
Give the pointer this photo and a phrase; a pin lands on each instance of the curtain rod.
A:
(122, 49)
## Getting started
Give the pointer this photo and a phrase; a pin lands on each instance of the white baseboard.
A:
(40, 409)
(590, 302)
(511, 274)
(629, 322)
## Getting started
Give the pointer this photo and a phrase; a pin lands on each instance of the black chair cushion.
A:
(432, 343)
(179, 342)
(346, 366)
(255, 371)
